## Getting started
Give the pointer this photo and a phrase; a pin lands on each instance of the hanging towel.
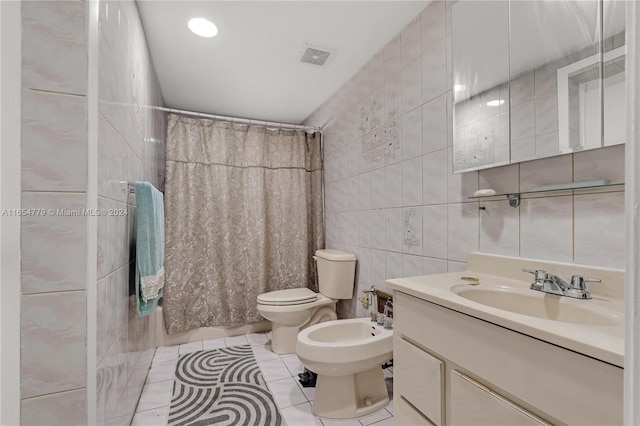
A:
(149, 247)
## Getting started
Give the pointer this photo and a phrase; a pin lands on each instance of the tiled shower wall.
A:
(391, 196)
(55, 173)
(130, 147)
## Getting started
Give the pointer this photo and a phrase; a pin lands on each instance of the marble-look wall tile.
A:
(606, 163)
(434, 125)
(411, 80)
(54, 133)
(393, 185)
(53, 324)
(434, 225)
(545, 172)
(412, 182)
(503, 179)
(460, 185)
(499, 228)
(393, 230)
(59, 409)
(392, 58)
(54, 46)
(434, 177)
(411, 41)
(433, 24)
(411, 265)
(54, 245)
(433, 266)
(412, 134)
(412, 230)
(546, 230)
(600, 233)
(393, 266)
(434, 71)
(462, 230)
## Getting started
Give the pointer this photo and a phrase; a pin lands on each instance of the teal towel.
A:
(149, 247)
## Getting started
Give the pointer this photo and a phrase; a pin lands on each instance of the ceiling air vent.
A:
(315, 55)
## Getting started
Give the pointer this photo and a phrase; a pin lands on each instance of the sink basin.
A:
(540, 305)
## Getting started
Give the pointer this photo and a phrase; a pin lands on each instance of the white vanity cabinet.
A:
(451, 368)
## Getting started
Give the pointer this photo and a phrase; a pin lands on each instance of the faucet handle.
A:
(538, 274)
(578, 281)
(578, 288)
(539, 278)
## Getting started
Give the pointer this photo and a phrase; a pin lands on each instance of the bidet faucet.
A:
(553, 284)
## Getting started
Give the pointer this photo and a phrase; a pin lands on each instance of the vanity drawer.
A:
(404, 414)
(418, 377)
(473, 404)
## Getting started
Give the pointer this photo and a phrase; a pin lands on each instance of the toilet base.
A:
(351, 395)
(283, 338)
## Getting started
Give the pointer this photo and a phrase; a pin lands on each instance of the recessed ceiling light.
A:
(495, 102)
(203, 27)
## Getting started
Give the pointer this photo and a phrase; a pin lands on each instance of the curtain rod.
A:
(241, 120)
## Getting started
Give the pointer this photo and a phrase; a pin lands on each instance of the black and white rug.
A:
(221, 386)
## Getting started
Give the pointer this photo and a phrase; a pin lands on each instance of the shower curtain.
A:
(243, 216)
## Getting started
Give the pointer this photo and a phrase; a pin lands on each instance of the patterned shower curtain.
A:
(243, 212)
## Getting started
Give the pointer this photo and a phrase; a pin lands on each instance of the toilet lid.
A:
(291, 296)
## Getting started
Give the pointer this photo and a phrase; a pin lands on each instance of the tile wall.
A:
(391, 195)
(53, 374)
(55, 171)
(130, 147)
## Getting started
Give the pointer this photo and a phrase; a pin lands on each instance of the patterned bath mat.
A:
(223, 387)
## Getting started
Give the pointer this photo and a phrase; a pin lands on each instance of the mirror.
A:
(480, 39)
(554, 99)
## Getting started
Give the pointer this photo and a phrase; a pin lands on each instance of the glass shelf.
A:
(514, 197)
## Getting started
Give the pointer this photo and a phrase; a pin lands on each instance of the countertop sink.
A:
(501, 295)
(539, 305)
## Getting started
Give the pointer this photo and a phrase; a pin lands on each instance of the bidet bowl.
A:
(347, 346)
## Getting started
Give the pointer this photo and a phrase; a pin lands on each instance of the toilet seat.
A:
(288, 297)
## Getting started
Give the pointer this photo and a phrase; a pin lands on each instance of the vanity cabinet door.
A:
(418, 379)
(475, 405)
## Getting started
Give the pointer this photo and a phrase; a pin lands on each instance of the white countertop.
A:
(603, 342)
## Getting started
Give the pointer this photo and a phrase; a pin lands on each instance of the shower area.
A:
(243, 216)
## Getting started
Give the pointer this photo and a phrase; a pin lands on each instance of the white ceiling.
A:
(250, 69)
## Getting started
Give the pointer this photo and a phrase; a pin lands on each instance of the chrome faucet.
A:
(552, 284)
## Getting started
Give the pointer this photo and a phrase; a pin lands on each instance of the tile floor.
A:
(279, 371)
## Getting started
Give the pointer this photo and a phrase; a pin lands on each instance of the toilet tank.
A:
(336, 273)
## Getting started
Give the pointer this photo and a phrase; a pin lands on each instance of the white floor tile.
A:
(293, 363)
(340, 422)
(155, 417)
(310, 393)
(162, 371)
(389, 407)
(166, 353)
(300, 415)
(155, 395)
(286, 393)
(236, 340)
(213, 344)
(190, 347)
(375, 417)
(273, 369)
(263, 353)
(386, 422)
(257, 338)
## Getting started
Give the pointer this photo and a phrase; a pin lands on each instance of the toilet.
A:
(347, 356)
(292, 310)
